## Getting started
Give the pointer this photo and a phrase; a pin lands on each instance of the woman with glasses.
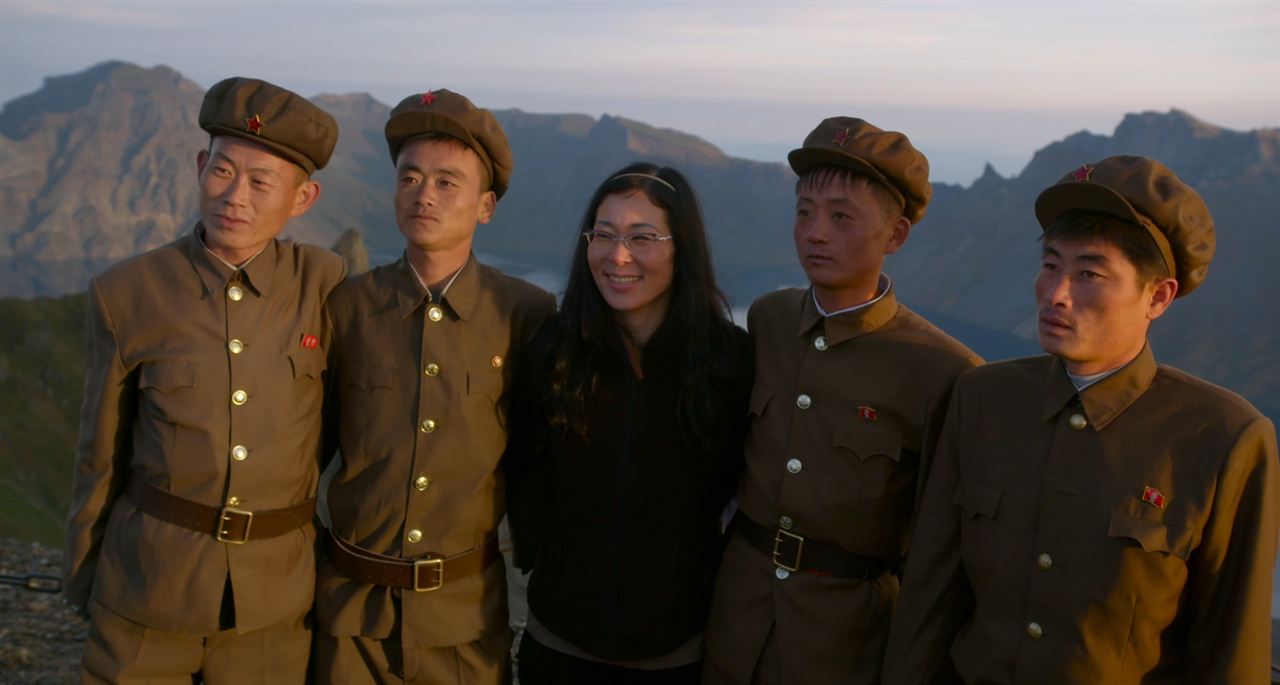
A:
(626, 431)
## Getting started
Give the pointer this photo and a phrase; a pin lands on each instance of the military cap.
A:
(886, 156)
(273, 117)
(444, 111)
(1145, 192)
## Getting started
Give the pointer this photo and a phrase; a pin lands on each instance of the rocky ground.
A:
(40, 637)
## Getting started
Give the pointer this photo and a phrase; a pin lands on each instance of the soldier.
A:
(850, 388)
(189, 539)
(413, 588)
(1093, 517)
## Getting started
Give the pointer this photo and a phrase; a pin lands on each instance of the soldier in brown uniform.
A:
(1091, 516)
(190, 539)
(413, 588)
(850, 388)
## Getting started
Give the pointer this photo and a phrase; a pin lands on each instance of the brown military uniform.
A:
(201, 418)
(418, 387)
(841, 412)
(1037, 560)
(1123, 533)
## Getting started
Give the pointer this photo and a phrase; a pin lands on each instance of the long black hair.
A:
(697, 316)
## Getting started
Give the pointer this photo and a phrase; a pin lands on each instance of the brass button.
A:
(235, 293)
(233, 501)
(235, 346)
(781, 573)
(432, 369)
(435, 313)
(784, 522)
(427, 426)
(1077, 422)
(820, 343)
(794, 466)
(804, 401)
(239, 397)
(1044, 562)
(421, 483)
(496, 362)
(239, 453)
(415, 535)
(1034, 631)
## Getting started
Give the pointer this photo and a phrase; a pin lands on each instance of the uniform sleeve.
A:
(936, 598)
(1230, 573)
(329, 417)
(102, 451)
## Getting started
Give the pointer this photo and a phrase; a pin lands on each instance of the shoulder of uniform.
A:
(918, 330)
(132, 270)
(779, 302)
(316, 259)
(1176, 385)
(515, 288)
(355, 285)
(1009, 371)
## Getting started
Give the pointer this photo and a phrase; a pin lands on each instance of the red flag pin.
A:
(1153, 497)
(865, 412)
(310, 342)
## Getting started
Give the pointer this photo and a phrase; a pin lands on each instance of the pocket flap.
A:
(978, 499)
(760, 397)
(1154, 536)
(370, 377)
(167, 376)
(868, 440)
(310, 363)
(487, 382)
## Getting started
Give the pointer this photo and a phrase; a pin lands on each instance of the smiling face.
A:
(1094, 310)
(635, 284)
(247, 195)
(441, 195)
(842, 234)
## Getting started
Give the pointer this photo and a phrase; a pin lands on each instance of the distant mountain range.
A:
(99, 165)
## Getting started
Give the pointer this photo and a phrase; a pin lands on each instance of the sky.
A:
(968, 82)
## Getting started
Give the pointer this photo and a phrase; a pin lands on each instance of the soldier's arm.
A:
(1230, 571)
(102, 451)
(936, 598)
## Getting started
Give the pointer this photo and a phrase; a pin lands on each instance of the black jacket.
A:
(621, 529)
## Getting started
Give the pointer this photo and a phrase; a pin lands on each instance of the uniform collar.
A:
(1106, 399)
(258, 273)
(851, 324)
(460, 298)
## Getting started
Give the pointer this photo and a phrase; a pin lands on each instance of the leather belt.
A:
(425, 574)
(794, 552)
(228, 524)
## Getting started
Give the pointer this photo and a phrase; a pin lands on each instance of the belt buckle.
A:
(778, 539)
(437, 564)
(225, 517)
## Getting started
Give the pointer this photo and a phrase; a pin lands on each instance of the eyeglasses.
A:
(636, 243)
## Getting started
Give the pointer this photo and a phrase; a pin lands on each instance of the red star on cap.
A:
(1083, 173)
(428, 98)
(253, 125)
(842, 138)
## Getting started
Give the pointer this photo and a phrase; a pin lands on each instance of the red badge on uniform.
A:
(1153, 497)
(254, 125)
(428, 98)
(865, 412)
(310, 342)
(1083, 173)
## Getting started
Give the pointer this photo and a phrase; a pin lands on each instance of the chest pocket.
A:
(978, 500)
(760, 397)
(1152, 536)
(866, 440)
(485, 383)
(307, 364)
(167, 377)
(369, 377)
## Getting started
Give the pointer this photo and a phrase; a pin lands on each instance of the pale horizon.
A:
(968, 82)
